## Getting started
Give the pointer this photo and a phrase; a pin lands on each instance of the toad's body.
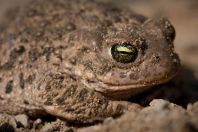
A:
(70, 58)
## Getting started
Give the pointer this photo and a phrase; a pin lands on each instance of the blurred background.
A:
(184, 16)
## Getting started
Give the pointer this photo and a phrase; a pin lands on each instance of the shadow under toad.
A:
(181, 90)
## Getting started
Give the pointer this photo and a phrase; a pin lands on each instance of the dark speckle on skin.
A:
(56, 83)
(133, 76)
(9, 87)
(47, 52)
(7, 66)
(141, 44)
(19, 50)
(24, 40)
(21, 81)
(119, 108)
(58, 33)
(14, 54)
(26, 102)
(83, 94)
(60, 101)
(71, 91)
(73, 77)
(73, 60)
(104, 70)
(70, 27)
(50, 97)
(44, 24)
(84, 50)
(122, 75)
(139, 17)
(80, 111)
(31, 78)
(34, 54)
(69, 109)
(49, 101)
(156, 58)
(39, 34)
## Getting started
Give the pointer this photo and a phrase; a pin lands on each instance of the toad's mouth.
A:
(132, 88)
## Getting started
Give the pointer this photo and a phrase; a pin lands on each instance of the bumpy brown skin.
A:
(54, 58)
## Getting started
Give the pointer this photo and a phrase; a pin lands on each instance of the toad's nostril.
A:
(156, 58)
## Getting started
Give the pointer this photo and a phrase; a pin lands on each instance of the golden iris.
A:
(124, 53)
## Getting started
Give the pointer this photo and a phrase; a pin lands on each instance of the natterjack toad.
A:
(75, 58)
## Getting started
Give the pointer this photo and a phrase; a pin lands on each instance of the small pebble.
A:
(46, 128)
(22, 120)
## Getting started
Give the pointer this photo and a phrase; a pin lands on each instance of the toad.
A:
(77, 59)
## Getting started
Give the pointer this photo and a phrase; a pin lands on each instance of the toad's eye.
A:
(124, 53)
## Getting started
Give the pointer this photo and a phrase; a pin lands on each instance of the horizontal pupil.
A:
(123, 48)
(124, 52)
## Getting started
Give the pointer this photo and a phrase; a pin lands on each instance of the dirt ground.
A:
(183, 90)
